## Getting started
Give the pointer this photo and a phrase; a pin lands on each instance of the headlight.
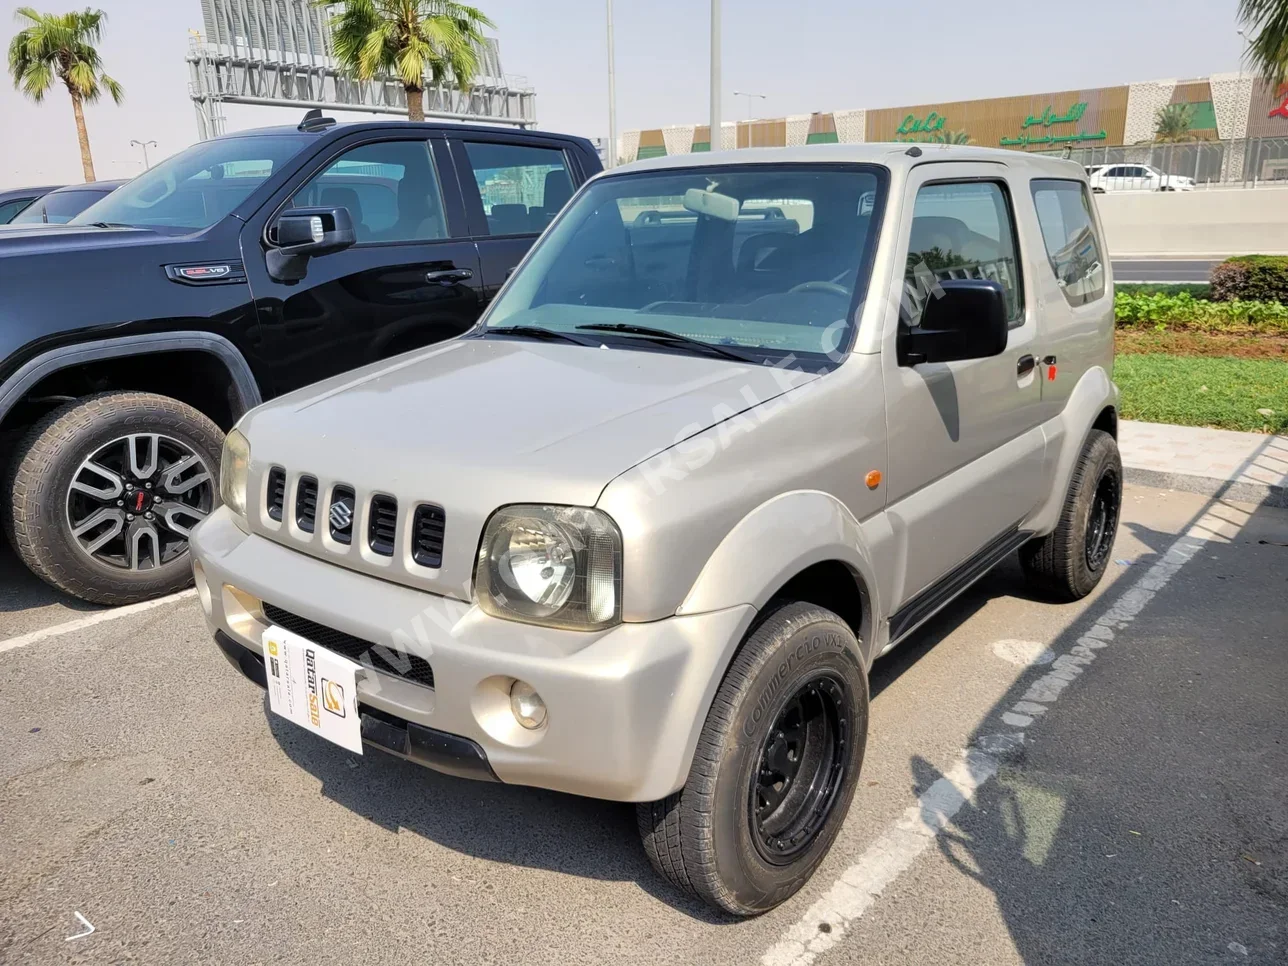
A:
(233, 466)
(552, 565)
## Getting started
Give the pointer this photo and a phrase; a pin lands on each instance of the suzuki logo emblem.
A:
(341, 515)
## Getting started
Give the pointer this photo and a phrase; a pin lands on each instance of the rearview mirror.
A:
(963, 319)
(712, 204)
(304, 233)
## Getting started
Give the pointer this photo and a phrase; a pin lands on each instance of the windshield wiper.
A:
(537, 332)
(664, 335)
(109, 224)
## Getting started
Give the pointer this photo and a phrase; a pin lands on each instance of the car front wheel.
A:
(104, 491)
(775, 769)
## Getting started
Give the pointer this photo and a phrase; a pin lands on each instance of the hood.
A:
(41, 239)
(475, 424)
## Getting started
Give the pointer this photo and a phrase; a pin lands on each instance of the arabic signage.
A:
(1281, 110)
(1046, 137)
(1268, 112)
(1036, 121)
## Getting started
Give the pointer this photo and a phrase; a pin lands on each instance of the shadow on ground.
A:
(21, 590)
(1145, 818)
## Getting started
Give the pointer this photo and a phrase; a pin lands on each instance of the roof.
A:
(347, 127)
(92, 185)
(887, 154)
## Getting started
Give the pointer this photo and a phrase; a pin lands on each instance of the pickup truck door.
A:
(966, 446)
(513, 186)
(412, 278)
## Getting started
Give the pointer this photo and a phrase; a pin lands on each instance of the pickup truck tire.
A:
(75, 463)
(793, 706)
(1067, 564)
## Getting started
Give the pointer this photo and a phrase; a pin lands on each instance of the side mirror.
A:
(965, 320)
(303, 233)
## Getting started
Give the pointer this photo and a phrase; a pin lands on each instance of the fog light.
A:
(526, 705)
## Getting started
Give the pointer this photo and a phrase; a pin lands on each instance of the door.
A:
(412, 277)
(966, 447)
(513, 189)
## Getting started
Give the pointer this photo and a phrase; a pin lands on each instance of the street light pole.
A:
(717, 141)
(144, 146)
(610, 156)
(749, 96)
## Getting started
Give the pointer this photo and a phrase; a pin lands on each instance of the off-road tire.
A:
(40, 471)
(1056, 565)
(700, 838)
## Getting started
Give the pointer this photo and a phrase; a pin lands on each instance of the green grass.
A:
(1196, 391)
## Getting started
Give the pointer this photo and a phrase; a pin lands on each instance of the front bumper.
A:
(625, 705)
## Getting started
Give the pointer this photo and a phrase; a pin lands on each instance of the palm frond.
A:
(1267, 22)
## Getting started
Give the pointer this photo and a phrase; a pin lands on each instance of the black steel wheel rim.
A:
(132, 503)
(1102, 522)
(801, 769)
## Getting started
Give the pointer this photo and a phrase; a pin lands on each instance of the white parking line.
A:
(824, 923)
(45, 633)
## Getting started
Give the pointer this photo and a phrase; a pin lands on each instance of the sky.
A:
(808, 55)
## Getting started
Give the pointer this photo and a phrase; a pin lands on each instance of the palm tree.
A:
(53, 46)
(1172, 123)
(410, 39)
(1268, 50)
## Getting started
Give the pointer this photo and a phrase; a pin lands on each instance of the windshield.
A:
(195, 188)
(767, 258)
(58, 208)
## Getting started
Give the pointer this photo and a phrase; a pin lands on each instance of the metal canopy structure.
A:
(278, 53)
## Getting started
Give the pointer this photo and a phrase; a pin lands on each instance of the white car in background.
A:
(1135, 177)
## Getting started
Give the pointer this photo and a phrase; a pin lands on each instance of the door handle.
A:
(449, 276)
(1026, 365)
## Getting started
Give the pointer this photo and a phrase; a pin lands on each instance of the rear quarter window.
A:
(1073, 246)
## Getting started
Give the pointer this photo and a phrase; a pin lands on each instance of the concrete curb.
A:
(1238, 491)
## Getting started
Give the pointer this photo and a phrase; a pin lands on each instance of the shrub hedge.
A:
(1184, 311)
(1200, 290)
(1251, 278)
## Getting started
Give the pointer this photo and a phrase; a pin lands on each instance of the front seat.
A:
(558, 191)
(419, 214)
(347, 198)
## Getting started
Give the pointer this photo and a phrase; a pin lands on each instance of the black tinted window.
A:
(522, 187)
(58, 208)
(1069, 234)
(390, 189)
(10, 208)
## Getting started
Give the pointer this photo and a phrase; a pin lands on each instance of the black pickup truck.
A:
(132, 338)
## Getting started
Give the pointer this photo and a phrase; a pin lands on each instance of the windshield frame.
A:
(819, 361)
(253, 201)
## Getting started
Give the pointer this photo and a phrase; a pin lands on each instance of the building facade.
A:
(1087, 125)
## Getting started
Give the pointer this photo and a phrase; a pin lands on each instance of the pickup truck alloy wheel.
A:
(775, 768)
(103, 492)
(134, 501)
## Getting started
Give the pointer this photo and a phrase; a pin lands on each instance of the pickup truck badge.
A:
(202, 272)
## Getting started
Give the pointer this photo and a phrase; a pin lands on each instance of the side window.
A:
(962, 230)
(1069, 233)
(522, 187)
(10, 208)
(390, 189)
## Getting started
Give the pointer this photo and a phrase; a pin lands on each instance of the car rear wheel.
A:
(103, 492)
(1068, 563)
(775, 769)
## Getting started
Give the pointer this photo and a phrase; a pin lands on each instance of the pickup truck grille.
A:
(409, 667)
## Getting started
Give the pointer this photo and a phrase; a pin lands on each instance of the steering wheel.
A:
(831, 288)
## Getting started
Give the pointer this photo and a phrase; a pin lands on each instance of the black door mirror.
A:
(963, 319)
(304, 233)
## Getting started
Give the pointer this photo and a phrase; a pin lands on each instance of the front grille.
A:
(383, 525)
(409, 667)
(427, 528)
(306, 503)
(340, 515)
(276, 492)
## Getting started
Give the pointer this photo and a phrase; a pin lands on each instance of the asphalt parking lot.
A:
(1104, 782)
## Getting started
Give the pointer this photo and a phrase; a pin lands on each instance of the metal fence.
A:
(1248, 163)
